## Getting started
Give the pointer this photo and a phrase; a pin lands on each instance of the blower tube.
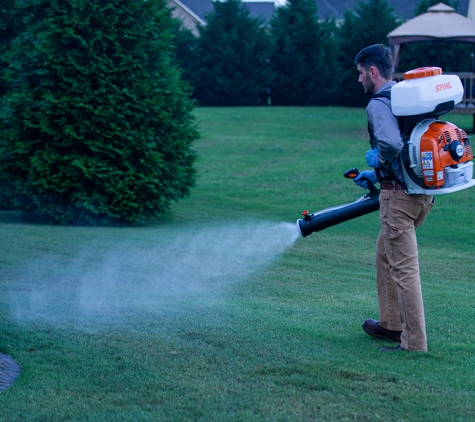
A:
(335, 215)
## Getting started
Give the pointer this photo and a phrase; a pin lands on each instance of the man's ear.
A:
(374, 72)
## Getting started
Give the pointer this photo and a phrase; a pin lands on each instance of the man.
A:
(401, 309)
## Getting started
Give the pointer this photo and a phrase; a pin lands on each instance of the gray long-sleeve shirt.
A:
(387, 137)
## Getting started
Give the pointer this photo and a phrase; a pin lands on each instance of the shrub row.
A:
(297, 59)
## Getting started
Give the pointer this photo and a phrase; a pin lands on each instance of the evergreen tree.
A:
(186, 52)
(371, 24)
(97, 128)
(303, 56)
(451, 56)
(8, 31)
(233, 52)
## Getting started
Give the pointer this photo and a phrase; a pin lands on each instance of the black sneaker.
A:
(373, 328)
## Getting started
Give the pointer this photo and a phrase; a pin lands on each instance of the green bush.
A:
(97, 128)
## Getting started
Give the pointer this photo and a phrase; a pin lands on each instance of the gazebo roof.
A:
(440, 22)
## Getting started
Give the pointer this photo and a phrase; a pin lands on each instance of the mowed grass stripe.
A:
(262, 335)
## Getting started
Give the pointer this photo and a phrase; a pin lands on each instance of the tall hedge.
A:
(304, 56)
(9, 28)
(369, 24)
(186, 52)
(98, 126)
(233, 57)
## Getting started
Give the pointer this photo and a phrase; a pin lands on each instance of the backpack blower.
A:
(436, 157)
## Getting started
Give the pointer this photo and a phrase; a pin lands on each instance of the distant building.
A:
(403, 9)
(190, 18)
(193, 12)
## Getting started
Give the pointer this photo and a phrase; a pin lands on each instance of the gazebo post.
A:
(396, 50)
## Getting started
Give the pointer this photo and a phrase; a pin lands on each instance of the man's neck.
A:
(380, 83)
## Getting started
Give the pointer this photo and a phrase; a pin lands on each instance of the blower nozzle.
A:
(328, 217)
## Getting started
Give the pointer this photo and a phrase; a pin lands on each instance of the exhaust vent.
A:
(468, 151)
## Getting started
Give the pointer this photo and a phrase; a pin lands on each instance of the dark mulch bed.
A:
(9, 371)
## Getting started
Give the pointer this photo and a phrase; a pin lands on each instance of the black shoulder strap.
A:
(383, 94)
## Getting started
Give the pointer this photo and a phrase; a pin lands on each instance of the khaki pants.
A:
(397, 265)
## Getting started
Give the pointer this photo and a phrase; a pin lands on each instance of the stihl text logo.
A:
(443, 87)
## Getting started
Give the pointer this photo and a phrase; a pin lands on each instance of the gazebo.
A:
(439, 23)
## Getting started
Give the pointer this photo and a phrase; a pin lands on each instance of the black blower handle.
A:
(354, 172)
(335, 215)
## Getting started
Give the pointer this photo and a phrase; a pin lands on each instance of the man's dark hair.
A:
(377, 55)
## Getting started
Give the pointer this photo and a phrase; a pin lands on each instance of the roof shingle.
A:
(403, 9)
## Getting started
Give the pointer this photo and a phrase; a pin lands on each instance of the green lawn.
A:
(219, 313)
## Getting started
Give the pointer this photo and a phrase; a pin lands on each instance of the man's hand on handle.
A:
(365, 176)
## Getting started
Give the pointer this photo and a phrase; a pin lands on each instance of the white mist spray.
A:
(166, 271)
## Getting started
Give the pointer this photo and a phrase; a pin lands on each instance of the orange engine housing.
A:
(437, 151)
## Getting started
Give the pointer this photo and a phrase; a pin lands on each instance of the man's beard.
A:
(369, 87)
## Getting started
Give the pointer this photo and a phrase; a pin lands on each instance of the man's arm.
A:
(386, 131)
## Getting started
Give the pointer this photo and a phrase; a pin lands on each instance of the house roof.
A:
(403, 9)
(257, 9)
(200, 7)
(261, 9)
(191, 12)
(337, 8)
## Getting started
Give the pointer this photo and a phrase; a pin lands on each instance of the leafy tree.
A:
(233, 52)
(97, 128)
(451, 56)
(370, 24)
(303, 56)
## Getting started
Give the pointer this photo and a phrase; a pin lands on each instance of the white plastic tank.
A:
(423, 89)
